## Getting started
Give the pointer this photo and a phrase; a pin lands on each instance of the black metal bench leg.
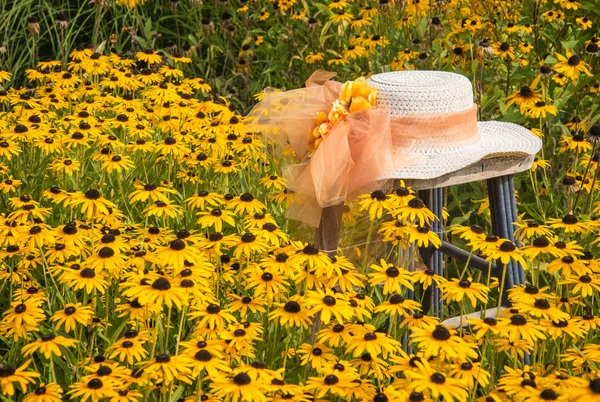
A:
(503, 210)
(433, 258)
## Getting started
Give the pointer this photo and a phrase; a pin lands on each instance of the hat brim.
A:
(496, 139)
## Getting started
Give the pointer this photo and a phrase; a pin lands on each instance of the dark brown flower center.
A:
(574, 60)
(95, 383)
(437, 378)
(161, 284)
(331, 380)
(518, 320)
(203, 356)
(441, 333)
(242, 379)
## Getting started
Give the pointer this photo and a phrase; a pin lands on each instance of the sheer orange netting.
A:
(356, 152)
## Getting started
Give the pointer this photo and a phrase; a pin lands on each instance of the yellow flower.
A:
(48, 345)
(541, 109)
(391, 277)
(358, 94)
(9, 375)
(571, 65)
(313, 57)
(584, 23)
(4, 76)
(130, 3)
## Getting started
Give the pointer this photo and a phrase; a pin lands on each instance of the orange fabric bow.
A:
(356, 152)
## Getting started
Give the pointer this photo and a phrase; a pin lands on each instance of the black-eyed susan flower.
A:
(504, 50)
(49, 345)
(248, 245)
(333, 384)
(246, 304)
(211, 315)
(398, 305)
(469, 233)
(91, 202)
(266, 283)
(422, 236)
(427, 379)
(158, 292)
(92, 389)
(318, 355)
(528, 294)
(203, 199)
(9, 185)
(211, 361)
(571, 65)
(457, 290)
(415, 211)
(24, 314)
(520, 327)
(561, 328)
(488, 325)
(335, 334)
(71, 315)
(568, 266)
(540, 109)
(215, 219)
(217, 240)
(149, 56)
(441, 341)
(569, 223)
(246, 204)
(272, 235)
(86, 278)
(375, 343)
(129, 348)
(240, 387)
(392, 278)
(11, 376)
(168, 368)
(526, 96)
(505, 251)
(51, 392)
(540, 163)
(427, 277)
(164, 209)
(541, 246)
(8, 149)
(178, 252)
(291, 313)
(346, 278)
(329, 305)
(585, 285)
(151, 191)
(541, 308)
(273, 182)
(376, 204)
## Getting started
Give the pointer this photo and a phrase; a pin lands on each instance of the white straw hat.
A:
(414, 93)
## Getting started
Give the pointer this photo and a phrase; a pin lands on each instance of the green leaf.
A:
(141, 41)
(178, 392)
(459, 220)
(570, 44)
(148, 28)
(550, 60)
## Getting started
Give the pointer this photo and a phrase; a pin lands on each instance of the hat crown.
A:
(410, 93)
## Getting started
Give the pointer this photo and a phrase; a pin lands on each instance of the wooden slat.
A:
(455, 322)
(482, 170)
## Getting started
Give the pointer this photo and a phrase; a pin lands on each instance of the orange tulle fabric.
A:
(356, 152)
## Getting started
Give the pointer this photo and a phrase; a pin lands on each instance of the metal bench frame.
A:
(498, 174)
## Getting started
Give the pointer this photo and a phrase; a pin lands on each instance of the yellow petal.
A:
(359, 104)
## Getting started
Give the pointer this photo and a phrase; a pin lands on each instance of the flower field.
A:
(146, 254)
